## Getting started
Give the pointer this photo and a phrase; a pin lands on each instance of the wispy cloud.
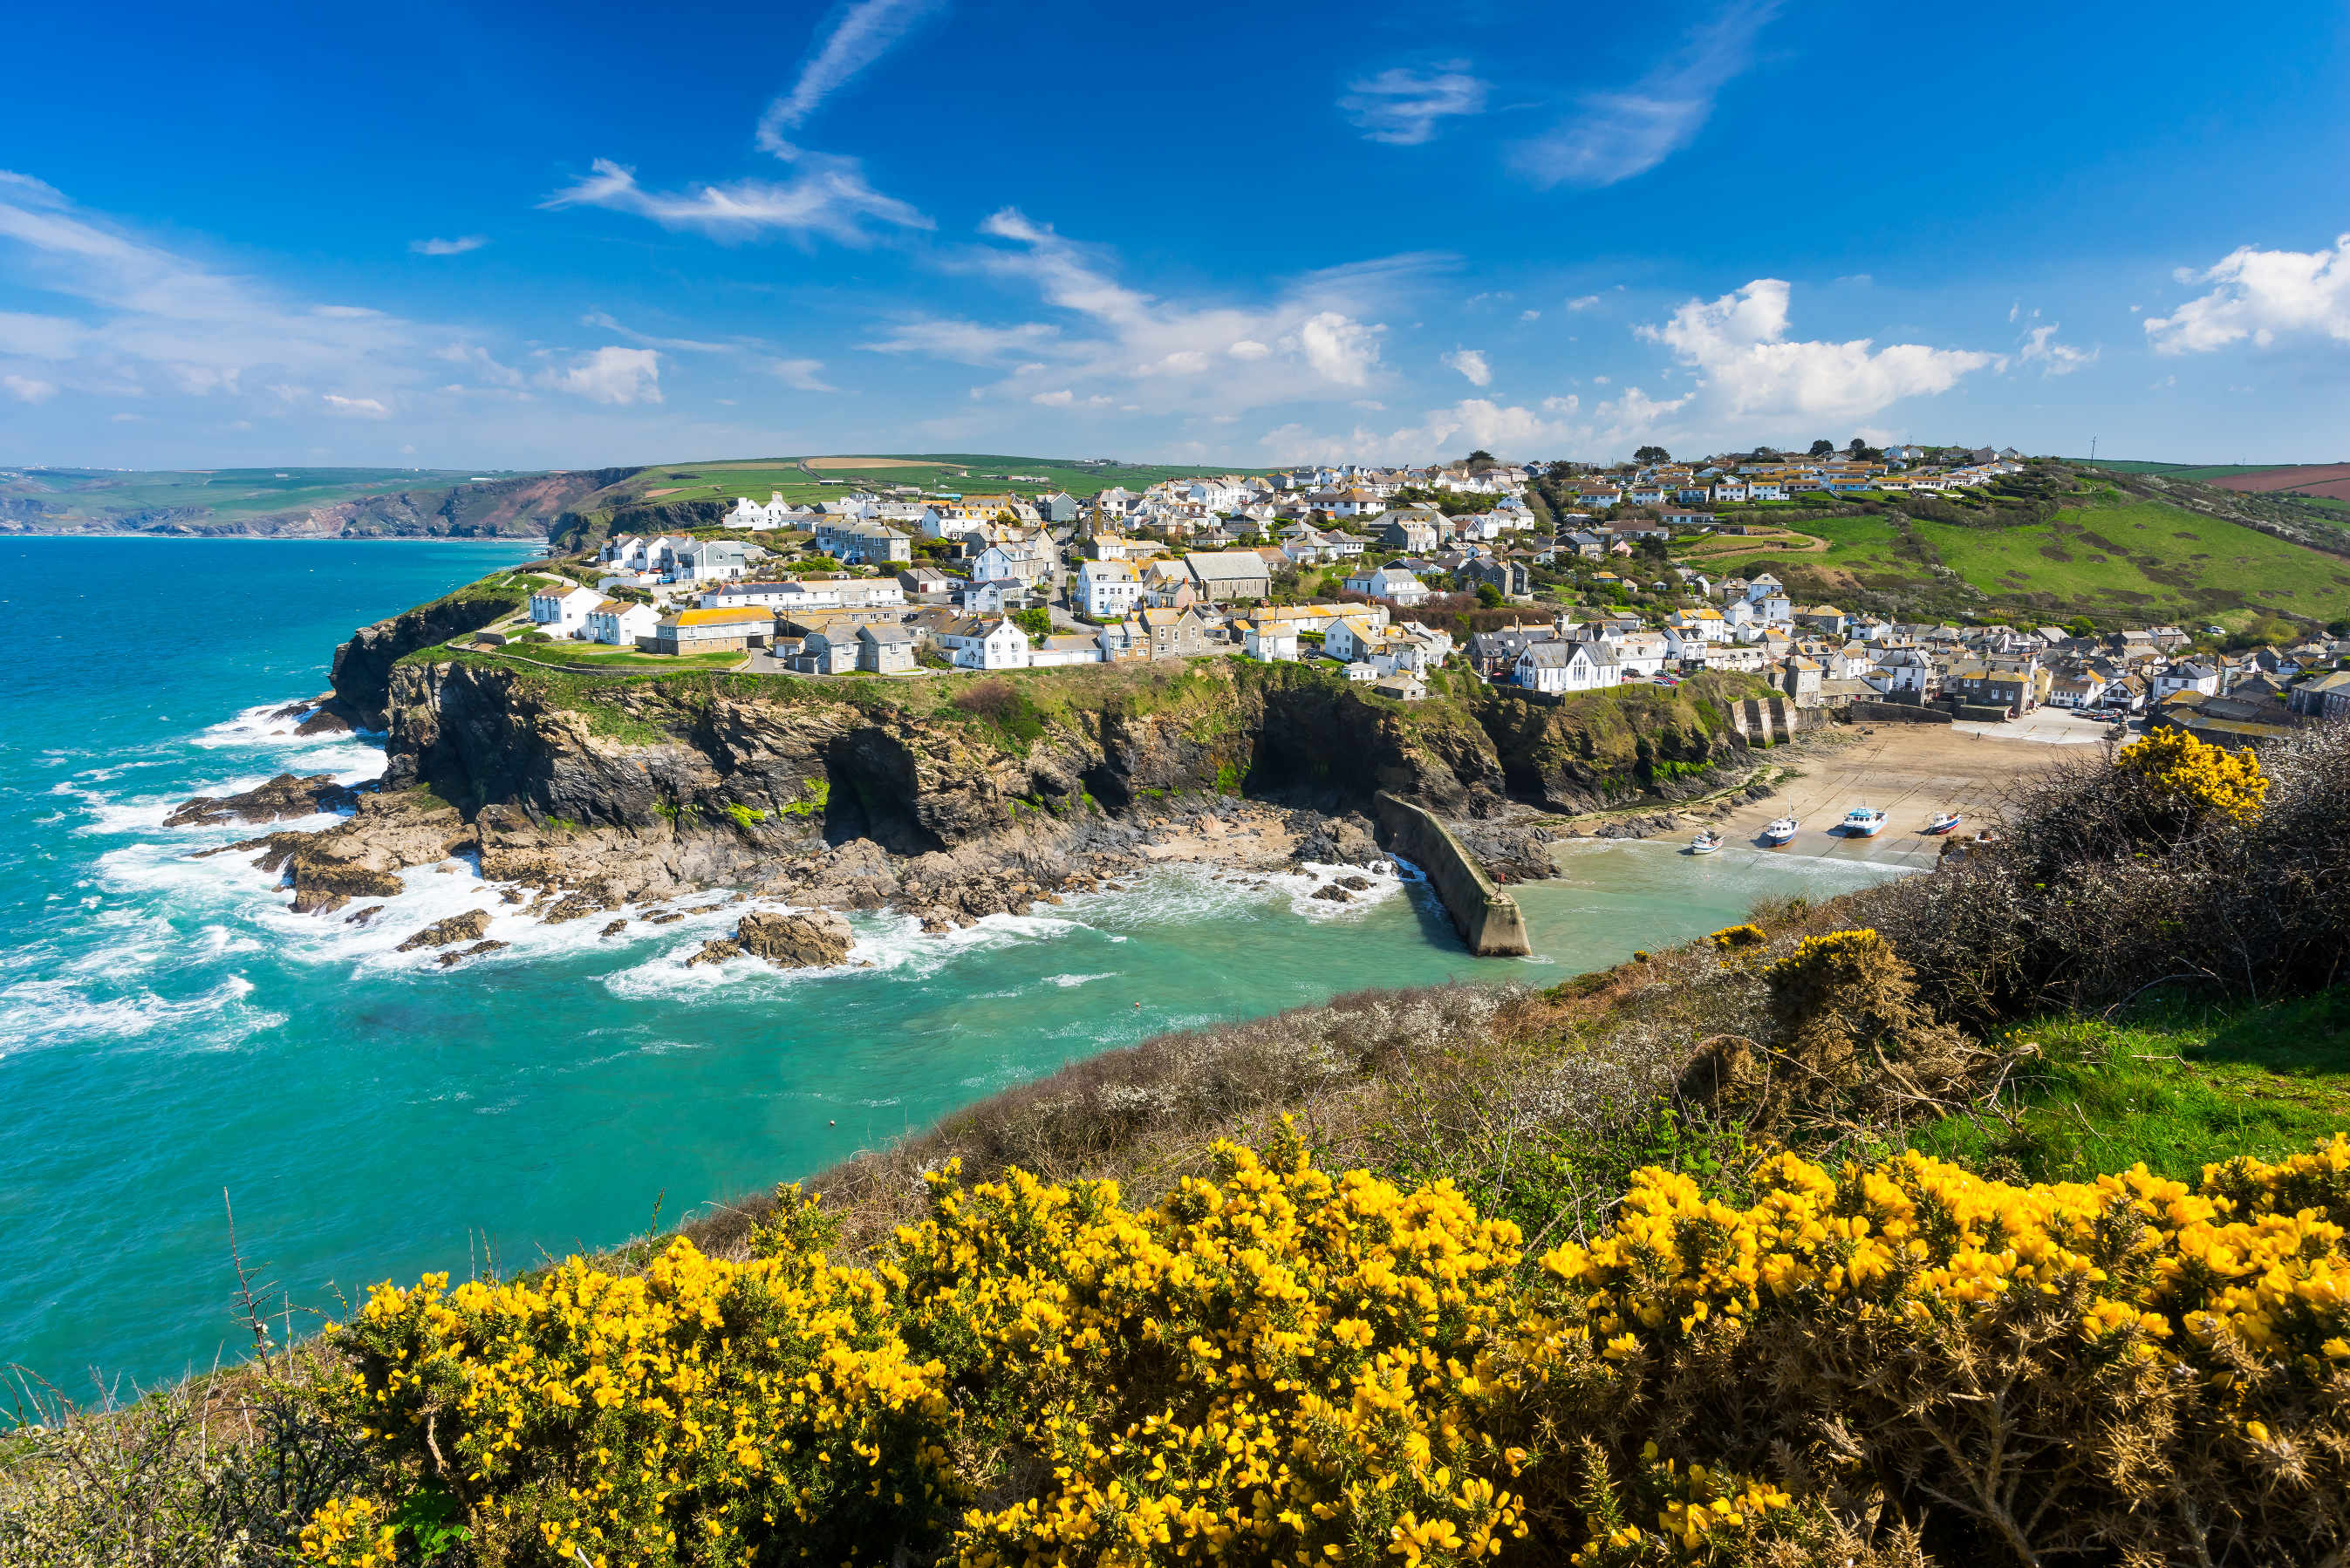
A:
(611, 375)
(2260, 296)
(1402, 107)
(455, 247)
(865, 32)
(799, 374)
(2041, 348)
(1315, 339)
(828, 195)
(1471, 363)
(1612, 136)
(1583, 302)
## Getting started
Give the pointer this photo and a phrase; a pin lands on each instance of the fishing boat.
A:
(1864, 821)
(1943, 822)
(1707, 842)
(1780, 831)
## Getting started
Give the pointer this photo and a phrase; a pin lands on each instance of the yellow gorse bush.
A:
(1278, 1364)
(2196, 778)
(701, 1411)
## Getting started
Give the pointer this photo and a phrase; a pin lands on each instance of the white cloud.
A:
(801, 374)
(2263, 296)
(1341, 350)
(1530, 315)
(1060, 399)
(1614, 136)
(27, 389)
(1471, 363)
(1509, 429)
(865, 32)
(1751, 372)
(1402, 107)
(1583, 303)
(2054, 358)
(362, 408)
(827, 195)
(1314, 338)
(964, 342)
(145, 321)
(610, 375)
(455, 247)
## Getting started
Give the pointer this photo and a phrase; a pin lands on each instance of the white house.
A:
(1557, 667)
(1106, 589)
(1274, 642)
(1705, 625)
(2187, 675)
(1640, 653)
(1389, 583)
(562, 610)
(1351, 641)
(974, 643)
(619, 623)
(1023, 563)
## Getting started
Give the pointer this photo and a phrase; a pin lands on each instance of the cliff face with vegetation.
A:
(928, 765)
(361, 673)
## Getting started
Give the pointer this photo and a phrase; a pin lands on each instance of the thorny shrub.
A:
(2112, 880)
(1278, 1364)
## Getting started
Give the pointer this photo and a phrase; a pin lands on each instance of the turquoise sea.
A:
(169, 1030)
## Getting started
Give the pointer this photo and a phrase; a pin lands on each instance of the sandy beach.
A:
(1909, 771)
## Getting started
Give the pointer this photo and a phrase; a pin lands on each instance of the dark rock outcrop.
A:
(283, 796)
(471, 926)
(812, 939)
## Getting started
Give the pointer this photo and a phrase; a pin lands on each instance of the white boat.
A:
(1780, 831)
(1864, 821)
(1943, 822)
(1707, 842)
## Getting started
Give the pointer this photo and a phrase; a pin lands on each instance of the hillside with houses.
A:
(1542, 579)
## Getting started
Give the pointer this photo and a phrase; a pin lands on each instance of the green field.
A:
(230, 493)
(724, 479)
(2143, 557)
(2177, 470)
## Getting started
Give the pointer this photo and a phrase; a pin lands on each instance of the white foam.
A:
(36, 1013)
(1071, 982)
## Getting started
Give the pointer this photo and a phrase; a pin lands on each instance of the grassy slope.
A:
(231, 493)
(2140, 556)
(2175, 1089)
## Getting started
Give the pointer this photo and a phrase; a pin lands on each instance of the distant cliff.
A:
(527, 507)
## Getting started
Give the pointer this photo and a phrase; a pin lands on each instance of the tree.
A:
(1652, 454)
(1036, 623)
(1857, 446)
(1489, 595)
(1823, 449)
(1481, 456)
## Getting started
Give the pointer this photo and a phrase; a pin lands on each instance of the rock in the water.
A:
(614, 928)
(283, 796)
(476, 951)
(1334, 894)
(664, 918)
(361, 917)
(1355, 884)
(717, 951)
(465, 928)
(574, 907)
(800, 939)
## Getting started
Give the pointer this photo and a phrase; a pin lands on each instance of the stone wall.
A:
(1488, 919)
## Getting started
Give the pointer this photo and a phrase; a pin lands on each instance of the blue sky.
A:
(571, 235)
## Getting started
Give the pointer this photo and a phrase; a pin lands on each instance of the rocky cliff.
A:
(361, 673)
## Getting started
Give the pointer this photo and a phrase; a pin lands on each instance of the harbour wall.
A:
(1488, 919)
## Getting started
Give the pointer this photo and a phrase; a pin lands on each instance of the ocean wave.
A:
(1071, 982)
(38, 1013)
